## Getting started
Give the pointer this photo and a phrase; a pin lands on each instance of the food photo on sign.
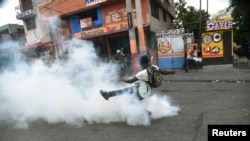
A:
(212, 44)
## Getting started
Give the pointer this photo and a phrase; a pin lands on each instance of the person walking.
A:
(191, 59)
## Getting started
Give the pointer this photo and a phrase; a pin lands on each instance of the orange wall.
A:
(119, 10)
(115, 19)
(60, 7)
(114, 15)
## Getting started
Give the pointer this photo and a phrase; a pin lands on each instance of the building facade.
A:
(11, 37)
(34, 26)
(104, 22)
(13, 32)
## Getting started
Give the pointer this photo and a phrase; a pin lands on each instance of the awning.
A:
(36, 45)
(105, 33)
(112, 32)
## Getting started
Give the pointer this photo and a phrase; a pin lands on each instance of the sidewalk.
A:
(233, 74)
(223, 75)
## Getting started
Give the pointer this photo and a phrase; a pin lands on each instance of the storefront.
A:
(45, 51)
(217, 42)
(105, 23)
(106, 45)
(107, 27)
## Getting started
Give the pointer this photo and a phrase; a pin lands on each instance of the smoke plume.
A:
(69, 92)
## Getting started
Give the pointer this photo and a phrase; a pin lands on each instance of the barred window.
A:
(154, 9)
(164, 15)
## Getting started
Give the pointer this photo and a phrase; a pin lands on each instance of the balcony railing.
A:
(26, 14)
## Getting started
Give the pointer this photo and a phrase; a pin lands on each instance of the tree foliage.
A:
(189, 18)
(241, 15)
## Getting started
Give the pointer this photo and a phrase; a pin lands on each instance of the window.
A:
(90, 17)
(26, 5)
(90, 13)
(154, 9)
(164, 16)
(30, 23)
(171, 19)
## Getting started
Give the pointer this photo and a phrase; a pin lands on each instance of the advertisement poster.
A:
(190, 47)
(212, 44)
(164, 45)
(170, 41)
(86, 22)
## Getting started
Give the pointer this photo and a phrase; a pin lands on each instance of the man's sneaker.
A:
(104, 94)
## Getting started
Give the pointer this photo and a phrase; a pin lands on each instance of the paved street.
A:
(205, 97)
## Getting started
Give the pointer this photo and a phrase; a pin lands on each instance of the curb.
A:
(212, 81)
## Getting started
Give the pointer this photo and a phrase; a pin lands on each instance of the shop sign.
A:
(115, 15)
(220, 24)
(102, 30)
(25, 13)
(93, 2)
(171, 33)
(130, 20)
(212, 44)
(92, 32)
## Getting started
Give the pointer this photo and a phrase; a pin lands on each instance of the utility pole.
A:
(207, 6)
(141, 34)
(200, 26)
(53, 34)
(132, 39)
(52, 31)
(200, 20)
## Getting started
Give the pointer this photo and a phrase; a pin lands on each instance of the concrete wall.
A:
(41, 32)
(160, 24)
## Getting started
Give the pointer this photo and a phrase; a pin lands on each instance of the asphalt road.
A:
(201, 103)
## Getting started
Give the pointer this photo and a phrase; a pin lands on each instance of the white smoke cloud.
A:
(69, 92)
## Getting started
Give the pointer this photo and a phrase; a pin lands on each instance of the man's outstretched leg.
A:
(107, 94)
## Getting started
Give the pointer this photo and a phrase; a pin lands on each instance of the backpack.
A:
(154, 77)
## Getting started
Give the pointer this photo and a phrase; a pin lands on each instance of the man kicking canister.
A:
(142, 89)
